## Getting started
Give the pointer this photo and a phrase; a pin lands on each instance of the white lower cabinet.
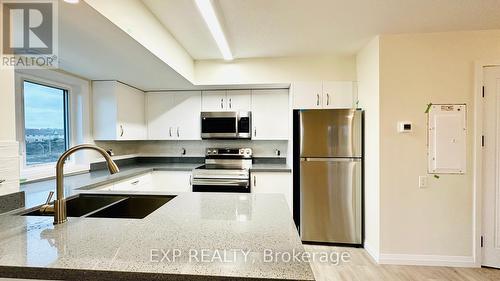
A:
(170, 181)
(178, 181)
(273, 182)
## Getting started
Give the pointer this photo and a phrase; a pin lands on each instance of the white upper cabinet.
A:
(231, 100)
(239, 100)
(318, 95)
(270, 114)
(339, 94)
(173, 115)
(307, 95)
(214, 101)
(118, 111)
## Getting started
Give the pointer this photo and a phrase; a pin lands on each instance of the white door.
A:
(186, 111)
(159, 116)
(270, 114)
(131, 123)
(273, 182)
(213, 101)
(491, 168)
(307, 95)
(239, 100)
(338, 94)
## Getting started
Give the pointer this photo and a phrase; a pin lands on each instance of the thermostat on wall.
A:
(405, 127)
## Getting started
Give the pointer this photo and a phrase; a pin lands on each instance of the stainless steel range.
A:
(225, 170)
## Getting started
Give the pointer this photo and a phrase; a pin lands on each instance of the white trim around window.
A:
(78, 119)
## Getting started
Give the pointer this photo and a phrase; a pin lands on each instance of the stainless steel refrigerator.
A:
(330, 175)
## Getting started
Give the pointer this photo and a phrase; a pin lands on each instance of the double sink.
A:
(110, 206)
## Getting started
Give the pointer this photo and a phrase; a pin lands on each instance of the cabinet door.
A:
(104, 107)
(338, 94)
(160, 116)
(307, 95)
(186, 111)
(213, 101)
(131, 124)
(273, 182)
(239, 100)
(270, 114)
(175, 181)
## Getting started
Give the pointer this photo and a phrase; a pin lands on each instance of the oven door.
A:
(221, 185)
(219, 125)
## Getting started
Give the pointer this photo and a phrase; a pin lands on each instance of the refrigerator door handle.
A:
(318, 159)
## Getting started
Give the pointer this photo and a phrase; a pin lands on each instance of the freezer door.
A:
(330, 200)
(331, 133)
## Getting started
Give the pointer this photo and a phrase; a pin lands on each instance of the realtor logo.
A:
(29, 34)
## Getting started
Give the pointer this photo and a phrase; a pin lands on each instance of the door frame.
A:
(477, 159)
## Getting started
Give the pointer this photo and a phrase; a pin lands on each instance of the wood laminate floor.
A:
(362, 268)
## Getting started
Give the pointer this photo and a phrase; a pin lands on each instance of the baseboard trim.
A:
(371, 252)
(427, 260)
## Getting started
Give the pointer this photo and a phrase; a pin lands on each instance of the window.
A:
(45, 123)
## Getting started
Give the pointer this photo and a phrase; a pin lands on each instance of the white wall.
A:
(416, 69)
(275, 70)
(367, 62)
(7, 109)
(8, 126)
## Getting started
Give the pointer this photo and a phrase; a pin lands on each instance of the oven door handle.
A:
(219, 182)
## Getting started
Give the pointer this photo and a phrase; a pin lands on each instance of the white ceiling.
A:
(276, 28)
(94, 48)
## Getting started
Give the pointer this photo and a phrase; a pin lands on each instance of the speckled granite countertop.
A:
(112, 249)
(36, 192)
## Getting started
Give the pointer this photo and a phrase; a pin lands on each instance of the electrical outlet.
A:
(422, 181)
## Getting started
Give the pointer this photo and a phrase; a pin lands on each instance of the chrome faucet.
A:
(59, 208)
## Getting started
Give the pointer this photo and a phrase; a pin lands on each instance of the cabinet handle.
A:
(230, 105)
(170, 131)
(317, 100)
(327, 99)
(222, 103)
(254, 181)
(135, 182)
(178, 132)
(121, 130)
(255, 131)
(190, 180)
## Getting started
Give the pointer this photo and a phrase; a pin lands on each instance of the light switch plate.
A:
(422, 181)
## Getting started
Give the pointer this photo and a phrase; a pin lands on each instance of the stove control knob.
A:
(242, 151)
(248, 151)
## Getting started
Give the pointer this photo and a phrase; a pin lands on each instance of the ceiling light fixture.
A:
(208, 13)
(72, 1)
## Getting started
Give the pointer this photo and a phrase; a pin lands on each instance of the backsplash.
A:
(195, 148)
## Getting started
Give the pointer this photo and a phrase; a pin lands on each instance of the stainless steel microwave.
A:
(226, 125)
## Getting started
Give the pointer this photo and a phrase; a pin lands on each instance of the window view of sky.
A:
(43, 107)
(44, 119)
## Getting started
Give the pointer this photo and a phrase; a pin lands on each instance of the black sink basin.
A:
(136, 207)
(82, 205)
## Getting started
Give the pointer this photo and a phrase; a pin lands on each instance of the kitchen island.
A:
(195, 236)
